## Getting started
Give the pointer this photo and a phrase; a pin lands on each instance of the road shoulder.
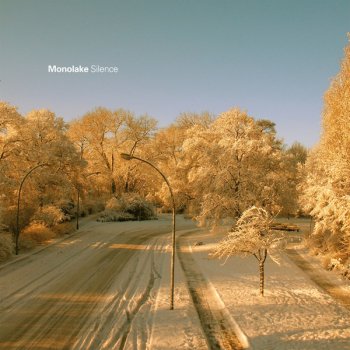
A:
(179, 328)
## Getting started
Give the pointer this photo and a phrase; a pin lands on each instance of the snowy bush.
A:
(90, 206)
(6, 246)
(129, 206)
(63, 229)
(116, 204)
(67, 207)
(110, 215)
(37, 232)
(139, 207)
(10, 215)
(49, 216)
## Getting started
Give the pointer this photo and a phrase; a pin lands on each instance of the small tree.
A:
(251, 235)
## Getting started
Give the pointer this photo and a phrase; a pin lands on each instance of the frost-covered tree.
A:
(98, 134)
(236, 163)
(326, 185)
(101, 135)
(294, 159)
(167, 152)
(39, 138)
(139, 133)
(251, 235)
(10, 121)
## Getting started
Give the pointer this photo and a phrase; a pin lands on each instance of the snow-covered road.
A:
(85, 292)
(107, 287)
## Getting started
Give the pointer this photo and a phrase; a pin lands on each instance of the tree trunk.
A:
(126, 187)
(113, 187)
(262, 277)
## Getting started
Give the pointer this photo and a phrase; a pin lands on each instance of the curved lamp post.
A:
(19, 200)
(172, 266)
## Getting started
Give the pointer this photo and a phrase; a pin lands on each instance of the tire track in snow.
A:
(217, 328)
(58, 308)
(42, 317)
(110, 330)
(131, 315)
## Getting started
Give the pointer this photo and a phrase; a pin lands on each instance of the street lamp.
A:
(172, 266)
(19, 200)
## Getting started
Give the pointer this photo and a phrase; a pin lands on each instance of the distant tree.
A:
(297, 153)
(139, 132)
(294, 159)
(166, 151)
(187, 120)
(236, 163)
(10, 122)
(251, 235)
(99, 135)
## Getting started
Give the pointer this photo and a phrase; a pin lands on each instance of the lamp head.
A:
(126, 156)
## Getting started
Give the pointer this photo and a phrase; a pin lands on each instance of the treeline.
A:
(217, 166)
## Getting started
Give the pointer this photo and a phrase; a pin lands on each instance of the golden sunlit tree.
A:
(326, 186)
(237, 164)
(36, 139)
(251, 236)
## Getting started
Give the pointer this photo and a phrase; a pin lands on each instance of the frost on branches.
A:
(237, 162)
(326, 185)
(252, 235)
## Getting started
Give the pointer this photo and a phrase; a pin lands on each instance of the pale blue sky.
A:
(273, 58)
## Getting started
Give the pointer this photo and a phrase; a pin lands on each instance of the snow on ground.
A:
(178, 328)
(130, 308)
(294, 314)
(97, 289)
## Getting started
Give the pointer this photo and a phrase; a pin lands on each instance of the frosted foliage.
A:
(49, 216)
(251, 234)
(6, 246)
(236, 165)
(326, 185)
(101, 135)
(116, 204)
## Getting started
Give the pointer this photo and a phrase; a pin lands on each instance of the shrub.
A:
(129, 206)
(9, 217)
(90, 206)
(63, 229)
(25, 243)
(6, 246)
(49, 216)
(116, 204)
(37, 232)
(110, 215)
(139, 207)
(67, 207)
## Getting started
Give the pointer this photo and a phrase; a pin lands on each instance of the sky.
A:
(271, 58)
